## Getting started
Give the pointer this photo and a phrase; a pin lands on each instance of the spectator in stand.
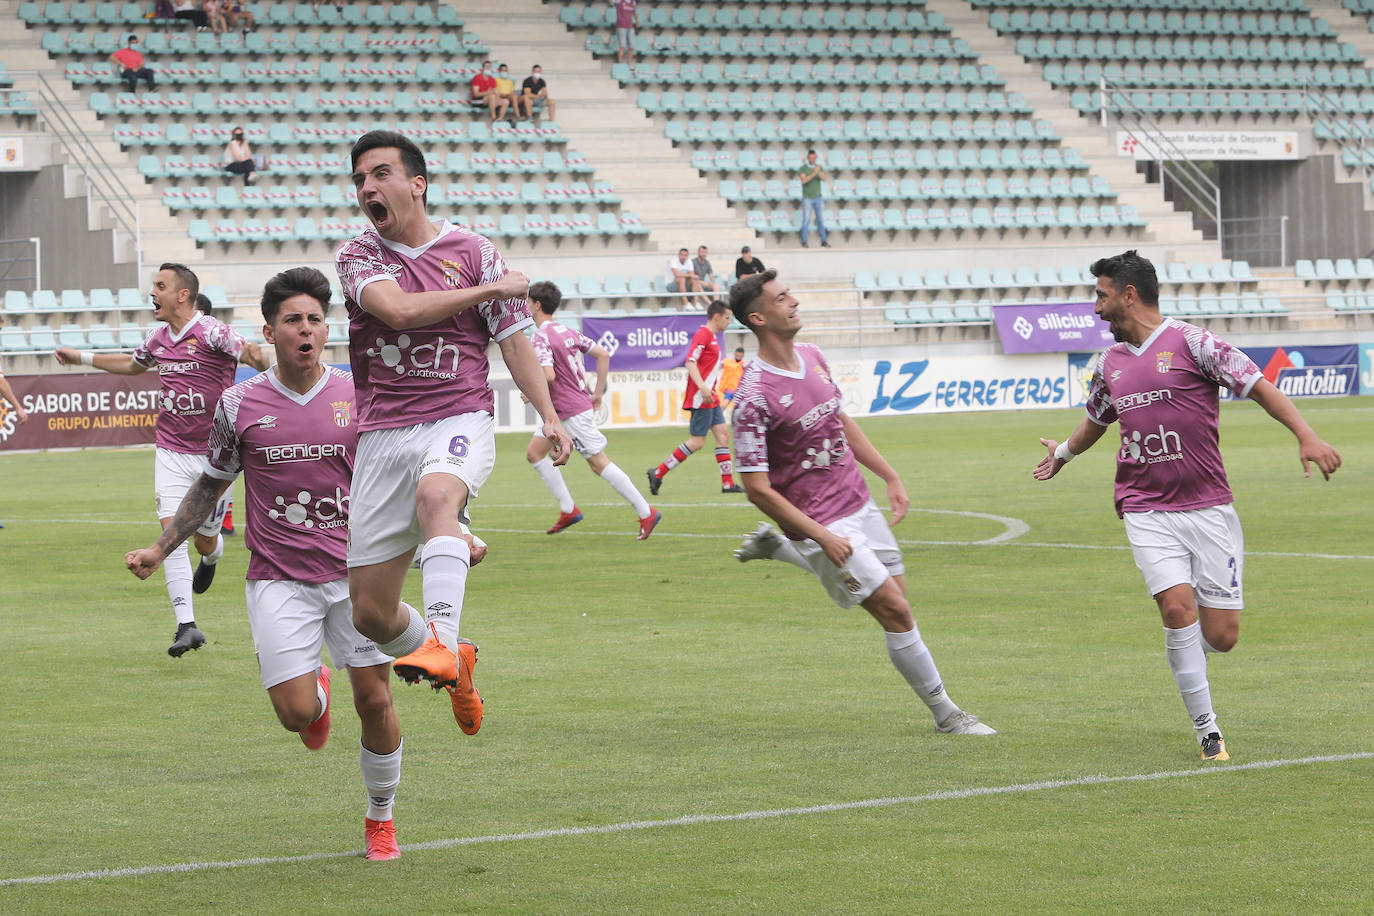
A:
(215, 16)
(813, 200)
(188, 9)
(680, 277)
(747, 264)
(239, 157)
(705, 273)
(484, 89)
(236, 11)
(626, 21)
(131, 60)
(506, 99)
(535, 91)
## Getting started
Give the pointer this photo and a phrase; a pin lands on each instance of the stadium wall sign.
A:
(77, 411)
(1234, 145)
(641, 343)
(1366, 368)
(1062, 327)
(1308, 372)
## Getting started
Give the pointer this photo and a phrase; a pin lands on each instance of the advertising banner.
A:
(1307, 372)
(640, 343)
(1051, 328)
(948, 384)
(1366, 368)
(1242, 145)
(76, 411)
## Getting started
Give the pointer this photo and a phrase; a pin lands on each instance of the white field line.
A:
(692, 820)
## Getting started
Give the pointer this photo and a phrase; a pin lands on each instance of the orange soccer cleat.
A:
(467, 702)
(317, 733)
(381, 840)
(433, 662)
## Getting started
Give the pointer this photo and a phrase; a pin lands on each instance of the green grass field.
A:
(630, 683)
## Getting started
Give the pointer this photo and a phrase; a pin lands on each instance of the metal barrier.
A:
(13, 274)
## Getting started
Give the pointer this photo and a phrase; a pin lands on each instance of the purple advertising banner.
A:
(1306, 372)
(642, 343)
(1059, 327)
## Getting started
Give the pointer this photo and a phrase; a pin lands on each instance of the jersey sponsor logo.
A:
(341, 412)
(302, 451)
(1116, 374)
(435, 359)
(177, 368)
(307, 510)
(819, 412)
(1152, 448)
(785, 400)
(188, 403)
(267, 422)
(1164, 360)
(830, 453)
(1138, 399)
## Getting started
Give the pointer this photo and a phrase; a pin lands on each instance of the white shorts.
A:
(876, 557)
(1203, 548)
(586, 436)
(292, 622)
(387, 470)
(174, 474)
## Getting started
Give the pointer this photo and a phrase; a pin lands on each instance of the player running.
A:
(292, 432)
(195, 356)
(560, 350)
(424, 300)
(702, 401)
(1160, 381)
(799, 457)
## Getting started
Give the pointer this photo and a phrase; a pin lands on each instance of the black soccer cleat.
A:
(188, 637)
(1214, 748)
(733, 488)
(654, 481)
(205, 574)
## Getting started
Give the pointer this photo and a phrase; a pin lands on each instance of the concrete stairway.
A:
(1172, 232)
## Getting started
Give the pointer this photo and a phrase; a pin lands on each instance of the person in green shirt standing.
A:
(813, 204)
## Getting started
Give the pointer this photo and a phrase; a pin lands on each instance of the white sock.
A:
(411, 638)
(213, 556)
(1183, 649)
(553, 479)
(620, 482)
(788, 553)
(321, 698)
(176, 569)
(1206, 646)
(381, 778)
(444, 577)
(911, 657)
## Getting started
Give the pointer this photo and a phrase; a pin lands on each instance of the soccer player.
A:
(701, 400)
(195, 358)
(730, 372)
(424, 300)
(799, 457)
(560, 350)
(1160, 381)
(292, 432)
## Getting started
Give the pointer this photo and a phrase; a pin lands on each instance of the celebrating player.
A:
(1160, 382)
(799, 457)
(424, 299)
(702, 401)
(195, 356)
(560, 351)
(288, 429)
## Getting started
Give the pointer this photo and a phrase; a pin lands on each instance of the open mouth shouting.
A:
(378, 212)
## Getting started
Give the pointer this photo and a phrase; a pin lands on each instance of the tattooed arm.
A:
(191, 514)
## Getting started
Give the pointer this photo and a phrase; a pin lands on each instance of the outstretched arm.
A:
(199, 501)
(869, 456)
(252, 355)
(7, 393)
(528, 376)
(773, 504)
(114, 363)
(403, 311)
(1310, 447)
(603, 366)
(1084, 437)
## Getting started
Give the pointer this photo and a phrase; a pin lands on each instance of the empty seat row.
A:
(1271, 102)
(1349, 302)
(508, 225)
(814, 46)
(1175, 22)
(752, 75)
(208, 44)
(786, 102)
(92, 337)
(336, 164)
(1258, 50)
(1337, 269)
(309, 133)
(282, 72)
(977, 219)
(768, 19)
(74, 300)
(1244, 6)
(1041, 276)
(284, 103)
(301, 14)
(861, 159)
(974, 187)
(331, 197)
(1209, 75)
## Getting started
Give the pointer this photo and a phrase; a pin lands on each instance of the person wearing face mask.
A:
(484, 89)
(131, 60)
(505, 94)
(239, 157)
(534, 91)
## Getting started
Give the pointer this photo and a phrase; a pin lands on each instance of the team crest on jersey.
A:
(1164, 360)
(820, 370)
(191, 347)
(453, 272)
(852, 584)
(341, 417)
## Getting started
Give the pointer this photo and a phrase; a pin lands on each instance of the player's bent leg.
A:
(378, 614)
(1220, 628)
(302, 706)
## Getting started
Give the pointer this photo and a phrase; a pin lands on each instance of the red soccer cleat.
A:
(381, 840)
(317, 732)
(565, 520)
(648, 524)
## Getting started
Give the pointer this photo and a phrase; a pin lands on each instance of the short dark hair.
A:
(717, 307)
(1130, 269)
(810, 152)
(185, 276)
(547, 294)
(298, 281)
(746, 292)
(131, 39)
(411, 158)
(204, 304)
